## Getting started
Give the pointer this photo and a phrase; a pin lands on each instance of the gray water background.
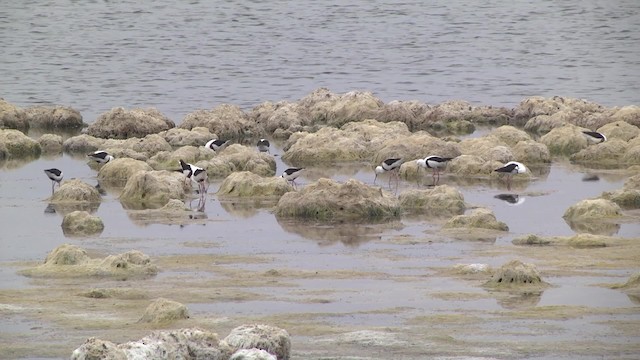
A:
(180, 56)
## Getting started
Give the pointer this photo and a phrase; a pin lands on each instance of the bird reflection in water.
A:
(511, 199)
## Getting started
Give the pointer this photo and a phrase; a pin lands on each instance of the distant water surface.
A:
(182, 56)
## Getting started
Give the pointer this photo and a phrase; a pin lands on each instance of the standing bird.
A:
(434, 162)
(511, 168)
(263, 145)
(594, 137)
(216, 144)
(195, 173)
(55, 175)
(392, 165)
(101, 157)
(291, 174)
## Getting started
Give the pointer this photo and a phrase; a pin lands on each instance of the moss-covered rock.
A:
(515, 273)
(265, 337)
(81, 223)
(328, 200)
(164, 311)
(170, 160)
(592, 210)
(175, 344)
(119, 123)
(564, 140)
(54, 117)
(238, 157)
(443, 200)
(12, 117)
(153, 189)
(478, 218)
(248, 184)
(50, 143)
(72, 261)
(119, 170)
(619, 130)
(531, 152)
(16, 145)
(609, 152)
(227, 121)
(76, 191)
(197, 136)
(83, 144)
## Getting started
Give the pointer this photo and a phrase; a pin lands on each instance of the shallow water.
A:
(385, 262)
(183, 56)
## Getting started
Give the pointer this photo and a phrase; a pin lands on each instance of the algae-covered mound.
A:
(71, 261)
(565, 140)
(609, 152)
(12, 117)
(592, 210)
(248, 184)
(631, 287)
(443, 200)
(76, 191)
(619, 130)
(198, 136)
(153, 189)
(119, 123)
(355, 141)
(328, 200)
(81, 223)
(237, 157)
(272, 339)
(164, 311)
(191, 343)
(17, 145)
(515, 273)
(50, 143)
(480, 218)
(252, 354)
(54, 117)
(170, 160)
(119, 170)
(227, 121)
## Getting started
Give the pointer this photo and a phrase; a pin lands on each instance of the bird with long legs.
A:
(510, 169)
(291, 174)
(436, 163)
(194, 173)
(55, 175)
(391, 165)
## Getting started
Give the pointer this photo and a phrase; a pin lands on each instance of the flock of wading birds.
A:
(391, 165)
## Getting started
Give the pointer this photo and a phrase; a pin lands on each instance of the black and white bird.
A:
(194, 173)
(594, 137)
(217, 144)
(511, 168)
(55, 175)
(263, 145)
(392, 165)
(436, 163)
(511, 199)
(101, 157)
(291, 174)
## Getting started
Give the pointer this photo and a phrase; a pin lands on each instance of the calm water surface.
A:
(183, 56)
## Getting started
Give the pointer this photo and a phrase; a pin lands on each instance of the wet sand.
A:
(375, 291)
